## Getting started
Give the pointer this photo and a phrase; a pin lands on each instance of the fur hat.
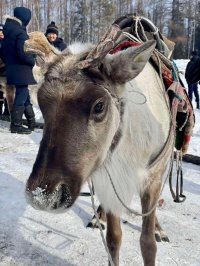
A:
(52, 28)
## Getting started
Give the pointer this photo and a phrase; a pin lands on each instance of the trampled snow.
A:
(30, 237)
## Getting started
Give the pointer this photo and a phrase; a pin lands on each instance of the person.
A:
(52, 37)
(19, 68)
(4, 114)
(191, 67)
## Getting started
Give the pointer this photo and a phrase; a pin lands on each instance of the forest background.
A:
(87, 20)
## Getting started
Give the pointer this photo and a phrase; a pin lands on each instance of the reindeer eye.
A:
(99, 107)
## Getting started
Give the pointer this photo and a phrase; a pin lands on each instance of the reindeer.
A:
(94, 128)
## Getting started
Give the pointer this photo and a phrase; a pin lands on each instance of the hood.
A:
(194, 58)
(23, 14)
(10, 24)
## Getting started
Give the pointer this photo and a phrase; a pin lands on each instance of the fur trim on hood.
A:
(12, 18)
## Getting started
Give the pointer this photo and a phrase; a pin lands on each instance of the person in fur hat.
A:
(19, 67)
(52, 36)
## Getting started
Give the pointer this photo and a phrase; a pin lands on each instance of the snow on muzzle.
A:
(59, 200)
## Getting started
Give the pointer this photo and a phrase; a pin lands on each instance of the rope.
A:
(139, 93)
(176, 196)
(132, 211)
(130, 36)
(100, 227)
(136, 27)
(172, 128)
(142, 29)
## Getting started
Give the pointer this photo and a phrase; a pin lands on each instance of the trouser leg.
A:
(196, 94)
(17, 111)
(190, 91)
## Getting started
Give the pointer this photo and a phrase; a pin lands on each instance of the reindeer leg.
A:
(102, 218)
(160, 234)
(10, 96)
(1, 101)
(113, 237)
(147, 239)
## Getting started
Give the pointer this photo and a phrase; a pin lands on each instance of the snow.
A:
(32, 237)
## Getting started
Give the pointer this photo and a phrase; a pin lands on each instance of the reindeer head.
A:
(81, 102)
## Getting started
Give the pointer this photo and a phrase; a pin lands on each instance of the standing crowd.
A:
(19, 66)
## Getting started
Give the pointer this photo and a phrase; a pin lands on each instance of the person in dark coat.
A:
(192, 69)
(19, 67)
(4, 114)
(1, 93)
(52, 36)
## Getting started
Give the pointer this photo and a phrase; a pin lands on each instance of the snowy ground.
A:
(29, 237)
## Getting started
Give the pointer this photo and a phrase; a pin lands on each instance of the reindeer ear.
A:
(126, 65)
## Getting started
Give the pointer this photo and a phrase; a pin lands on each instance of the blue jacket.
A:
(18, 63)
(192, 72)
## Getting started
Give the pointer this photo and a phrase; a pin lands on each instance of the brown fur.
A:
(9, 90)
(77, 107)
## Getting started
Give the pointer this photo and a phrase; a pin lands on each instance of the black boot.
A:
(30, 116)
(16, 121)
(197, 105)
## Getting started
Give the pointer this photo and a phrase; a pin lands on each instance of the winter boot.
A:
(30, 116)
(16, 121)
(198, 105)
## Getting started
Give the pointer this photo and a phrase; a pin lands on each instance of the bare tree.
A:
(87, 20)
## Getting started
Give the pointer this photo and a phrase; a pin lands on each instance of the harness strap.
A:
(178, 196)
(171, 135)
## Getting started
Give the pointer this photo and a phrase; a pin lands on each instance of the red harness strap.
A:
(124, 45)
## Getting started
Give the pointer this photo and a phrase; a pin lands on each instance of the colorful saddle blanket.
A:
(184, 118)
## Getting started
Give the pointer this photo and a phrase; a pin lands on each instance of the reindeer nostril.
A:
(55, 206)
(43, 198)
(65, 197)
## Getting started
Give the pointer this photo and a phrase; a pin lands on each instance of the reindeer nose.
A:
(60, 199)
(64, 198)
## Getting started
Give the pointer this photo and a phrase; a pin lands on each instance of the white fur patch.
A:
(145, 131)
(78, 48)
